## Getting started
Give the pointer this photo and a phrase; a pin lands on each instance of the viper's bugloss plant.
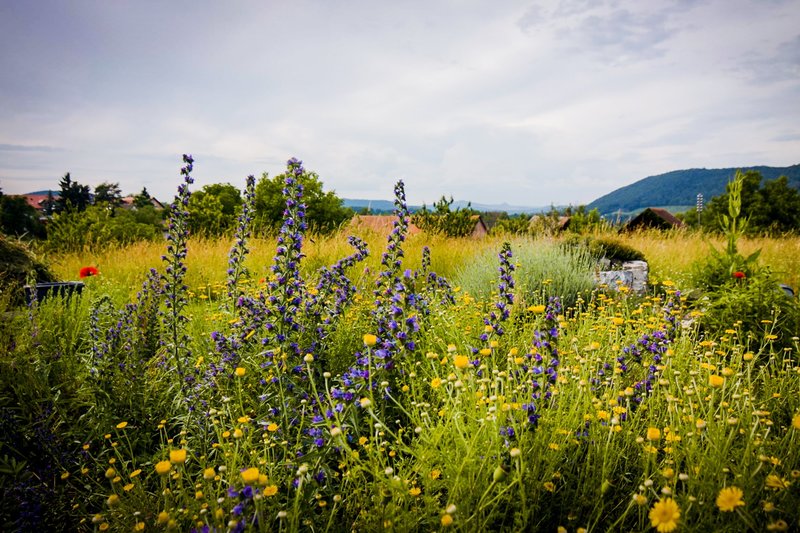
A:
(176, 341)
(244, 227)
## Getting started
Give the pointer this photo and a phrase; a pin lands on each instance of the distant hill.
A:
(386, 206)
(681, 187)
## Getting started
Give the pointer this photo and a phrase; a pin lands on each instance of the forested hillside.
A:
(681, 187)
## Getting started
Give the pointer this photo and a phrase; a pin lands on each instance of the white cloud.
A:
(522, 102)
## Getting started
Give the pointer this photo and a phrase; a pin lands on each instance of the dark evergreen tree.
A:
(74, 196)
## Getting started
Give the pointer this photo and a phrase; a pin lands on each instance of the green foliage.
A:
(97, 225)
(108, 194)
(612, 250)
(143, 199)
(18, 264)
(738, 292)
(73, 197)
(442, 220)
(213, 209)
(583, 220)
(773, 208)
(18, 218)
(515, 225)
(325, 212)
(544, 269)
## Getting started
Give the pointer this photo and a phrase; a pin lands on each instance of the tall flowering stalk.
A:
(543, 361)
(236, 269)
(177, 341)
(394, 330)
(286, 286)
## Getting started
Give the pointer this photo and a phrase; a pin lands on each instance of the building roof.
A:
(655, 217)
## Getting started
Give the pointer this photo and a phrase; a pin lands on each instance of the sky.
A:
(519, 102)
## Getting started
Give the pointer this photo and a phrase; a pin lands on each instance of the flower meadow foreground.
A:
(374, 394)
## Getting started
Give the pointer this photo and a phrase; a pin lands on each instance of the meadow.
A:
(399, 383)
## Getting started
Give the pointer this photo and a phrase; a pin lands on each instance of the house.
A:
(40, 200)
(479, 230)
(653, 218)
(128, 202)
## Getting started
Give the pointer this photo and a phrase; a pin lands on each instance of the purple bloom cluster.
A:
(505, 295)
(239, 251)
(177, 341)
(542, 361)
(286, 288)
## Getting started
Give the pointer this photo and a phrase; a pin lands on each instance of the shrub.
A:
(545, 269)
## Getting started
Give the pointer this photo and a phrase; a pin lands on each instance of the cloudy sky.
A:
(524, 102)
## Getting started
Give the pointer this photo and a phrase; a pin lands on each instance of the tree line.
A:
(76, 216)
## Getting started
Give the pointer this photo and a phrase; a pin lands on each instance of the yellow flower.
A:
(136, 473)
(272, 427)
(122, 425)
(653, 434)
(209, 473)
(776, 482)
(796, 421)
(237, 433)
(436, 383)
(272, 490)
(716, 381)
(240, 371)
(447, 520)
(536, 309)
(64, 475)
(664, 515)
(163, 468)
(729, 499)
(485, 351)
(370, 339)
(177, 456)
(415, 491)
(111, 473)
(139, 526)
(435, 473)
(549, 486)
(112, 500)
(780, 525)
(128, 487)
(250, 476)
(163, 518)
(365, 402)
(461, 361)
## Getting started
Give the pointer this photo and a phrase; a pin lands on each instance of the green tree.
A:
(73, 197)
(213, 209)
(108, 193)
(325, 212)
(773, 208)
(443, 220)
(143, 199)
(18, 218)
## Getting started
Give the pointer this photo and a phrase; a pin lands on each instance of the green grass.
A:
(446, 446)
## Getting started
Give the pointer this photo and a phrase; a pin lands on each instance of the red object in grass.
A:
(85, 272)
(739, 274)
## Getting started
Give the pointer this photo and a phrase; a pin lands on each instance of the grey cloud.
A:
(27, 148)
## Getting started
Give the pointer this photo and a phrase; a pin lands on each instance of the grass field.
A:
(399, 393)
